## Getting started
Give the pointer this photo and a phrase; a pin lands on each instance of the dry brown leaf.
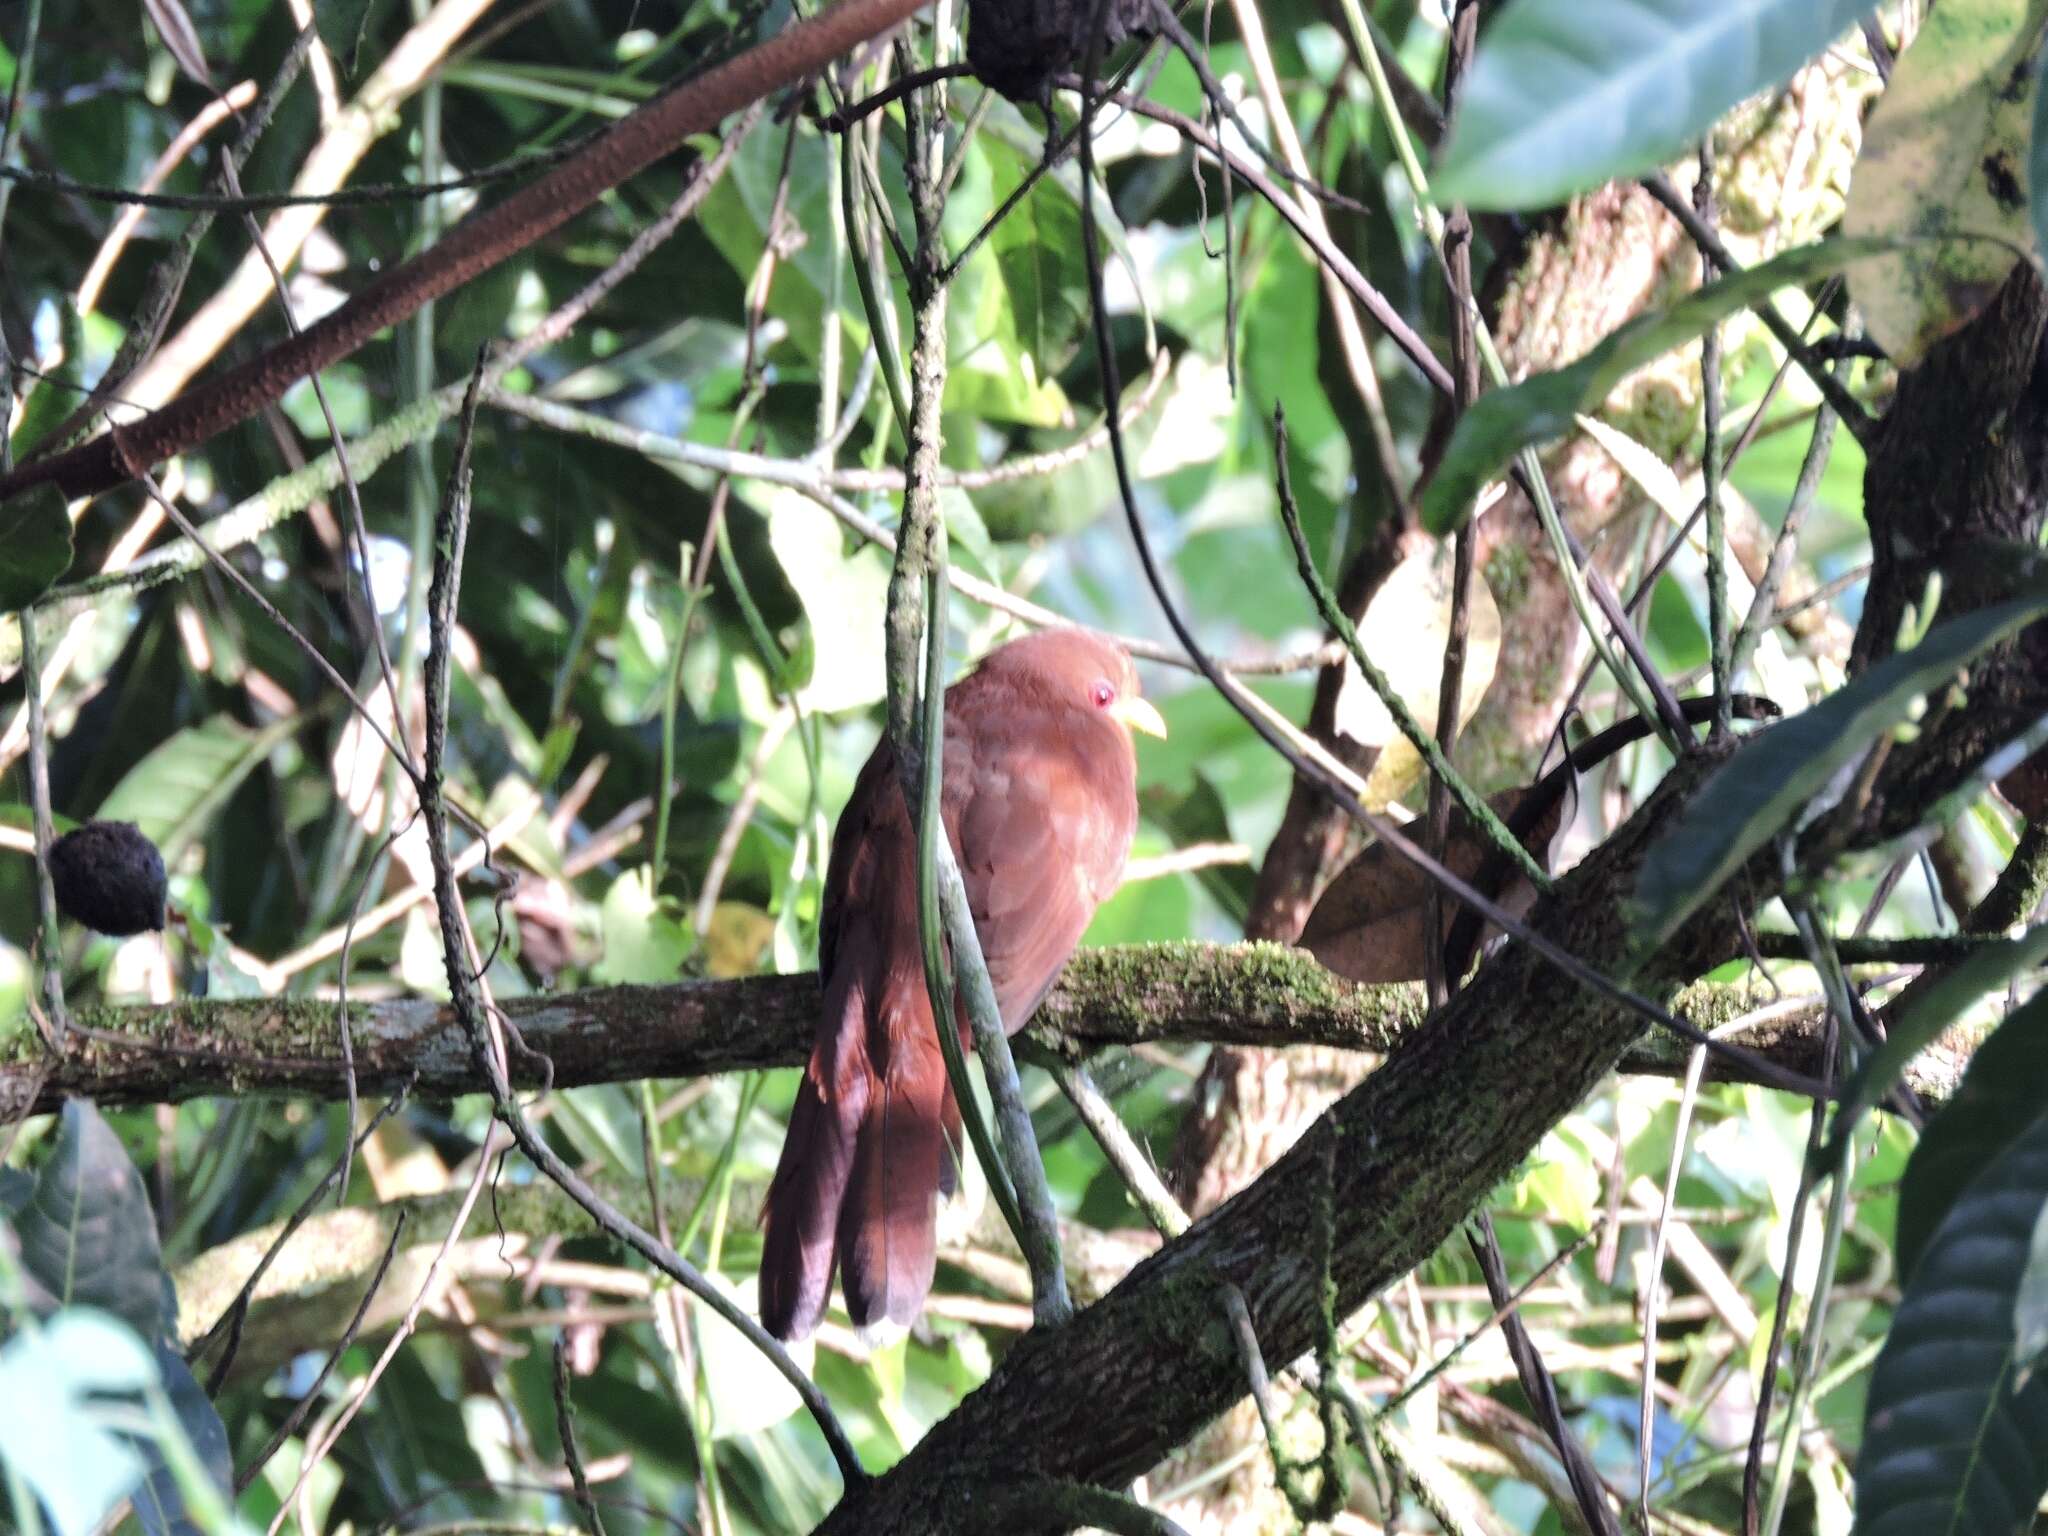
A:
(1370, 923)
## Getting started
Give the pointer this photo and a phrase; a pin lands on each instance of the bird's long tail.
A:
(865, 1159)
(888, 1220)
(802, 1209)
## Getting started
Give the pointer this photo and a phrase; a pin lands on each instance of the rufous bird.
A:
(1039, 798)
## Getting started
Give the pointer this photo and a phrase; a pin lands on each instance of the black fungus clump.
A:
(109, 877)
(1018, 46)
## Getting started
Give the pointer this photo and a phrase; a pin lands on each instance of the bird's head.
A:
(1079, 670)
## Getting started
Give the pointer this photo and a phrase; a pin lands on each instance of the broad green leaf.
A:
(1946, 148)
(160, 1504)
(2000, 1096)
(642, 942)
(845, 596)
(1757, 793)
(1566, 94)
(174, 793)
(1951, 1441)
(746, 1396)
(87, 1236)
(2030, 1304)
(1038, 251)
(1913, 1028)
(1504, 421)
(35, 545)
(54, 1429)
(54, 395)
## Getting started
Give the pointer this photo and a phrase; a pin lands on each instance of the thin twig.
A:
(1483, 816)
(49, 939)
(1861, 424)
(1752, 1469)
(1710, 469)
(1541, 1390)
(304, 1405)
(450, 535)
(1140, 1177)
(1763, 610)
(565, 1426)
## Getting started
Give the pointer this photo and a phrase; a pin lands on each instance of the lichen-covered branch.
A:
(1229, 994)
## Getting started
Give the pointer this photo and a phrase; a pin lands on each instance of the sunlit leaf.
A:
(1405, 629)
(1566, 94)
(55, 1433)
(643, 940)
(747, 1394)
(845, 596)
(1504, 421)
(174, 793)
(1947, 148)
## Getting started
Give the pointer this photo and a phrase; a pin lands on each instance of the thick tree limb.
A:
(1234, 994)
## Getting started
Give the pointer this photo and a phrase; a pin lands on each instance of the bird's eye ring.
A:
(1103, 694)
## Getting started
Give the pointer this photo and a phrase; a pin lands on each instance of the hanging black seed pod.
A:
(1017, 46)
(109, 877)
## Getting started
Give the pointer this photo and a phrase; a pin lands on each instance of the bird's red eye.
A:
(1103, 694)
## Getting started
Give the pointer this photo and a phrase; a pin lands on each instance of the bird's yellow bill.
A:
(1139, 715)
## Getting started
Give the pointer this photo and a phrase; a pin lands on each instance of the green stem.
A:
(1532, 469)
(1425, 742)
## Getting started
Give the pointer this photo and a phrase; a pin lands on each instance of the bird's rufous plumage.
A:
(1039, 801)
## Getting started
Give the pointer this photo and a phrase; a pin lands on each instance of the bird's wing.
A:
(868, 845)
(1039, 846)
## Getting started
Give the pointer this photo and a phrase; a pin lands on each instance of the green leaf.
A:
(1755, 795)
(1038, 251)
(1951, 1441)
(642, 942)
(746, 1397)
(54, 1429)
(1566, 94)
(1945, 149)
(1913, 1028)
(160, 1507)
(1504, 421)
(2030, 1304)
(87, 1236)
(56, 394)
(1999, 1097)
(35, 545)
(174, 793)
(845, 596)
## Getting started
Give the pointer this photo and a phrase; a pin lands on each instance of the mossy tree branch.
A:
(1234, 994)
